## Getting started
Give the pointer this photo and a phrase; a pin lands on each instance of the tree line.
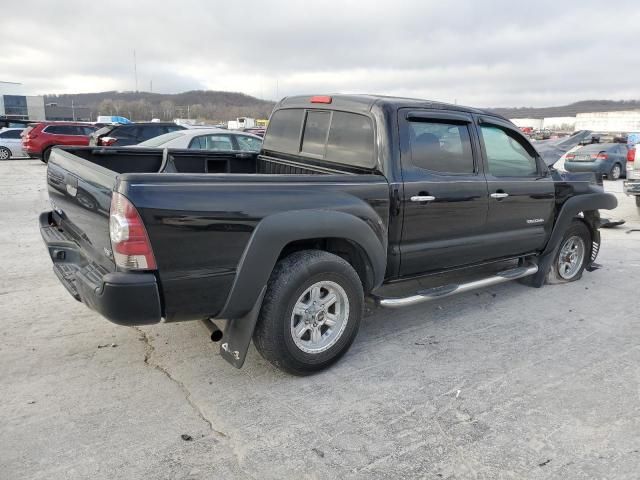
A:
(207, 106)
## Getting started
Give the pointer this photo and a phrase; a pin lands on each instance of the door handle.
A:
(499, 195)
(423, 198)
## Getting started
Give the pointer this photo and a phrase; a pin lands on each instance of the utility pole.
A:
(73, 110)
(135, 68)
(150, 86)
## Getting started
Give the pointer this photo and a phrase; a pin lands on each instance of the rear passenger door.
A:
(521, 191)
(445, 192)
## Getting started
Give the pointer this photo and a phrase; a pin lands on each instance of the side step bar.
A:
(453, 289)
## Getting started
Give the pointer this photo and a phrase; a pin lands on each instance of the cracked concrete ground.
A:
(509, 382)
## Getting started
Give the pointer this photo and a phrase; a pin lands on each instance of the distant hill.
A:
(221, 106)
(198, 104)
(569, 110)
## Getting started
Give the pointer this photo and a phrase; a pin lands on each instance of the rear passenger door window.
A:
(441, 147)
(150, 131)
(128, 132)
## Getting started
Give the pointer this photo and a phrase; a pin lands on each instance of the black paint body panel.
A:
(217, 223)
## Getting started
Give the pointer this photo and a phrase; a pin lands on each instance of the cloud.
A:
(490, 53)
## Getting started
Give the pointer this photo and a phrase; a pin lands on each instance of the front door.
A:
(445, 192)
(521, 191)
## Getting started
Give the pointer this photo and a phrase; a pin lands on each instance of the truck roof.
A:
(364, 103)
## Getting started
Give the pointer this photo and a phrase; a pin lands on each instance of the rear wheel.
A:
(5, 153)
(311, 312)
(573, 255)
(45, 155)
(638, 201)
(616, 172)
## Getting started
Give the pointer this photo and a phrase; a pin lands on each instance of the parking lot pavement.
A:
(508, 382)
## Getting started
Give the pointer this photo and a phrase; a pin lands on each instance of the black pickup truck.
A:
(349, 194)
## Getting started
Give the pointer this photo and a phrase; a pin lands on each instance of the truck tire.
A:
(311, 312)
(573, 255)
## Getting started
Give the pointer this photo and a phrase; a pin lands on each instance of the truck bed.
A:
(199, 209)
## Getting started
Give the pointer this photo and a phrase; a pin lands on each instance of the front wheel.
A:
(638, 201)
(573, 255)
(310, 313)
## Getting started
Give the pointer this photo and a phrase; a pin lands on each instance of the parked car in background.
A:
(259, 131)
(608, 159)
(131, 133)
(632, 183)
(11, 143)
(214, 139)
(38, 139)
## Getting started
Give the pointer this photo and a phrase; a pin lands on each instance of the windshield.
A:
(161, 139)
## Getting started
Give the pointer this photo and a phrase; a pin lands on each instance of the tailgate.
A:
(80, 195)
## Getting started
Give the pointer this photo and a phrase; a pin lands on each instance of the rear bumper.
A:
(596, 166)
(125, 298)
(37, 155)
(631, 187)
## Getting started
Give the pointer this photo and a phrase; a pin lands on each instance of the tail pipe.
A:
(216, 333)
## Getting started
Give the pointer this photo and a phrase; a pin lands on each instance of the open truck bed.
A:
(199, 210)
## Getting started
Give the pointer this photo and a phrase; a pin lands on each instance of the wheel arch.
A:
(583, 207)
(283, 233)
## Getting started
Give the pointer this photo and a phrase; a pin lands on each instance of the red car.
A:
(38, 139)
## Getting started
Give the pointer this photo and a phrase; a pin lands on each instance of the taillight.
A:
(569, 156)
(602, 156)
(129, 239)
(631, 155)
(107, 141)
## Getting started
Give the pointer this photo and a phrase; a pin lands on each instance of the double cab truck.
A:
(349, 194)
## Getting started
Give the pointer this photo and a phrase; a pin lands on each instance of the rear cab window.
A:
(329, 135)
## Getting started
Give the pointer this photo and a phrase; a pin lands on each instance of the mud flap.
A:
(238, 333)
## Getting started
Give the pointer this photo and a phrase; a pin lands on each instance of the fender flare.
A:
(570, 209)
(274, 232)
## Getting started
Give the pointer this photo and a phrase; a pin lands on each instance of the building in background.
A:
(532, 123)
(67, 113)
(559, 124)
(14, 105)
(614, 122)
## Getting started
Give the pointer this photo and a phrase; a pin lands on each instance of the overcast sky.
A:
(481, 53)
